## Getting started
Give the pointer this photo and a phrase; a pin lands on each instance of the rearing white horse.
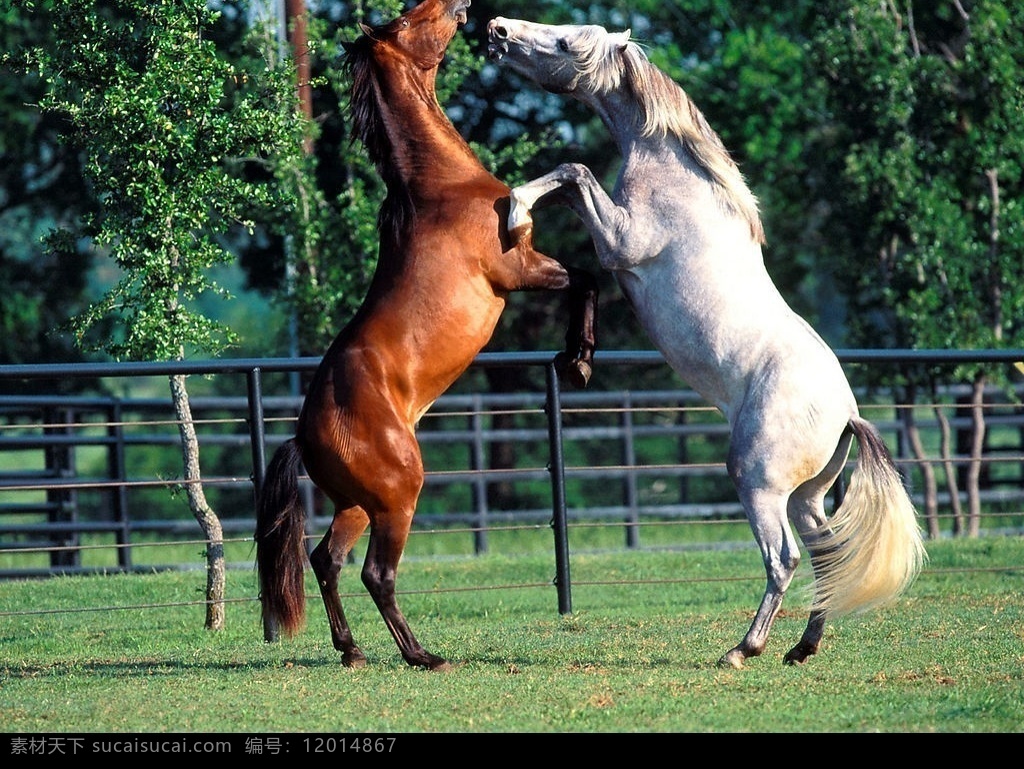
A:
(682, 234)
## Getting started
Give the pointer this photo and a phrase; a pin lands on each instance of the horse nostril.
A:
(498, 31)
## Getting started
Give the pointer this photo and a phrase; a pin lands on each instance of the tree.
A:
(925, 182)
(175, 161)
(40, 187)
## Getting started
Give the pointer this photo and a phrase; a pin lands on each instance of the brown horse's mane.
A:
(368, 127)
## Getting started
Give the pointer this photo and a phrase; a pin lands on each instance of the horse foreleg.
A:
(327, 559)
(522, 268)
(575, 186)
(577, 361)
(523, 198)
(388, 536)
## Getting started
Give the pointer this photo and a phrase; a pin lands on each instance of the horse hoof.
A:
(520, 220)
(576, 371)
(580, 373)
(433, 663)
(732, 659)
(520, 233)
(353, 660)
(798, 655)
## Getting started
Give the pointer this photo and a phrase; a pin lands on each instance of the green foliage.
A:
(168, 128)
(40, 186)
(925, 170)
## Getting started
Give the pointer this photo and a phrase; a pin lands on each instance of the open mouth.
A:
(495, 51)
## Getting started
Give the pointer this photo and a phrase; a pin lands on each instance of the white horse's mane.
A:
(608, 58)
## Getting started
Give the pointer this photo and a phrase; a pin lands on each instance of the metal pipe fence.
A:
(86, 476)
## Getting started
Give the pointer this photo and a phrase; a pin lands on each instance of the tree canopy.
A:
(924, 158)
(880, 138)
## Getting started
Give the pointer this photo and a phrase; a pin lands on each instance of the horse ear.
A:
(367, 30)
(623, 38)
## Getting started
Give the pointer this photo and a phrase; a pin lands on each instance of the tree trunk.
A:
(208, 521)
(952, 485)
(977, 449)
(931, 495)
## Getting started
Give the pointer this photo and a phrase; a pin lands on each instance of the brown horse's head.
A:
(422, 34)
(386, 64)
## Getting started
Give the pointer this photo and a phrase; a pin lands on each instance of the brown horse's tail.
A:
(874, 550)
(280, 547)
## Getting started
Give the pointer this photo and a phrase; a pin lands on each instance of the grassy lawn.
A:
(127, 653)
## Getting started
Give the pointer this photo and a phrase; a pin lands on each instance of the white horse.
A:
(682, 234)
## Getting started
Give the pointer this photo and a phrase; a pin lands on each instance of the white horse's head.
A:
(559, 58)
(612, 74)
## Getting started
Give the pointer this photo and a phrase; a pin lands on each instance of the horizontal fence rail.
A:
(88, 482)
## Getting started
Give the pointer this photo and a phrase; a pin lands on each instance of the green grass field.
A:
(128, 653)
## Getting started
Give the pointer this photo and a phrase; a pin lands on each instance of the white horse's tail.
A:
(874, 550)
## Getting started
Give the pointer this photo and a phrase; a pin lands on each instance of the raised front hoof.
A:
(798, 654)
(521, 233)
(520, 220)
(573, 370)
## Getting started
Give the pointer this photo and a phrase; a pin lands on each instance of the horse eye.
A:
(563, 46)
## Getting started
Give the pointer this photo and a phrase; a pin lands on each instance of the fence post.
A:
(118, 472)
(478, 464)
(556, 467)
(631, 493)
(256, 433)
(62, 499)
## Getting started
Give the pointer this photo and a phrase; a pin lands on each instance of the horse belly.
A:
(677, 326)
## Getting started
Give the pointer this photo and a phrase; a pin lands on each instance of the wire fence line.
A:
(81, 476)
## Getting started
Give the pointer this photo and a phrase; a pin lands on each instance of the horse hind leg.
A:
(327, 559)
(780, 553)
(388, 535)
(807, 513)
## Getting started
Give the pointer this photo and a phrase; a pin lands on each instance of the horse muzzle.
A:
(497, 39)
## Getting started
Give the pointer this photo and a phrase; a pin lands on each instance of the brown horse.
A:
(445, 268)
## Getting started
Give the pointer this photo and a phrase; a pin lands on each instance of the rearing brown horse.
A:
(445, 268)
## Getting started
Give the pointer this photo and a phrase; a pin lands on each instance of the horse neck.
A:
(618, 113)
(426, 147)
